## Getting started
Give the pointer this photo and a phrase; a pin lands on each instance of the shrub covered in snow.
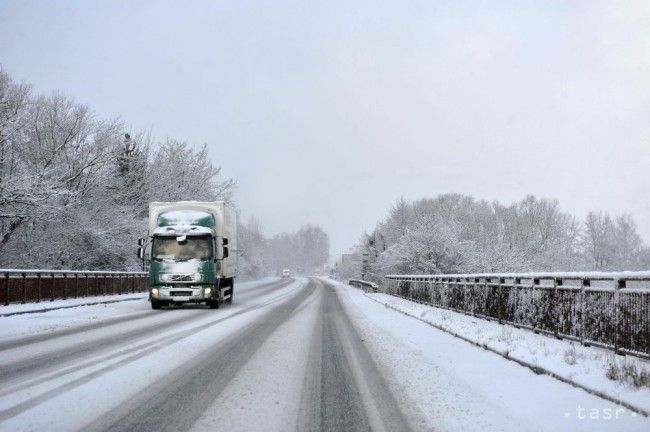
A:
(628, 371)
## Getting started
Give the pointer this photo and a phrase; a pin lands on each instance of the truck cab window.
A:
(168, 248)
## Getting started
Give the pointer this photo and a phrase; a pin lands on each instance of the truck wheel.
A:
(155, 304)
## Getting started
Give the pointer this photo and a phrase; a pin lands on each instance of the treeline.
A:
(455, 233)
(302, 251)
(74, 188)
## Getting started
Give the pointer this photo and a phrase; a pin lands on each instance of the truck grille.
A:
(180, 293)
(180, 278)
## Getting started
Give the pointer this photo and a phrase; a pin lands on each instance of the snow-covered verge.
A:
(46, 305)
(48, 321)
(585, 366)
(455, 385)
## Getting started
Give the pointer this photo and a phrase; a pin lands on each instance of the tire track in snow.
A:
(29, 340)
(52, 359)
(136, 352)
(176, 403)
(346, 391)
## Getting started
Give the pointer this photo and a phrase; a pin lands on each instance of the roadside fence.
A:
(26, 286)
(611, 310)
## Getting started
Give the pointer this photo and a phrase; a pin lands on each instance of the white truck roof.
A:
(183, 214)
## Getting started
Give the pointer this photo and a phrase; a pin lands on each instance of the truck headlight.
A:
(165, 277)
(154, 292)
(207, 291)
(196, 277)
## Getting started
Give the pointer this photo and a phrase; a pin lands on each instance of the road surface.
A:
(289, 360)
(287, 355)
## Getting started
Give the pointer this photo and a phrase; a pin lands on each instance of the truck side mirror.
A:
(141, 241)
(140, 253)
(225, 241)
(225, 252)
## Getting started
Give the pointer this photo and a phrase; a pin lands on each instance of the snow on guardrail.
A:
(363, 284)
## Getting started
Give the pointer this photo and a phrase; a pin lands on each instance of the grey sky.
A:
(327, 112)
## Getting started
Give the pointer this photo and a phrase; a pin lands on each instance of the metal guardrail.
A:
(610, 310)
(363, 284)
(23, 286)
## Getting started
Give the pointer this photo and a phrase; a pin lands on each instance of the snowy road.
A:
(287, 355)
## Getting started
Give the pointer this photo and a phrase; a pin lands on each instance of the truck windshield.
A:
(168, 248)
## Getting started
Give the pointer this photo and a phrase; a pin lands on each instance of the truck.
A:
(191, 248)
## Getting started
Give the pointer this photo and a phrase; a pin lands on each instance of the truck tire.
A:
(155, 304)
(216, 301)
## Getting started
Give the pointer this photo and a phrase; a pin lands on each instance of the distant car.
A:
(286, 273)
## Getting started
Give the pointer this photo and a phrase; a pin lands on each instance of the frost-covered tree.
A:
(599, 240)
(302, 251)
(179, 172)
(429, 246)
(74, 188)
(253, 248)
(627, 242)
(454, 232)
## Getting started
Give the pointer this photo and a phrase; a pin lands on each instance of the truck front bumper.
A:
(182, 294)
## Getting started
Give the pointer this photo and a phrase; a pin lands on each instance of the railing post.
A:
(583, 310)
(536, 313)
(65, 286)
(53, 287)
(499, 295)
(555, 308)
(24, 288)
(465, 294)
(515, 313)
(487, 283)
(87, 287)
(6, 289)
(38, 275)
(618, 284)
(473, 296)
(76, 285)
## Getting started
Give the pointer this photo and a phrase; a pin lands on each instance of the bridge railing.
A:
(365, 285)
(611, 310)
(23, 286)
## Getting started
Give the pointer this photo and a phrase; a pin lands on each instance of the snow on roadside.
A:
(49, 321)
(44, 305)
(454, 385)
(571, 360)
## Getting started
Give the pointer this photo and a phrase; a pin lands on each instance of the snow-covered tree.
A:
(454, 232)
(74, 188)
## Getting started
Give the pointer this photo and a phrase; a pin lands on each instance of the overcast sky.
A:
(327, 112)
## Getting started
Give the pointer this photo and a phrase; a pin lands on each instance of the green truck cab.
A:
(191, 248)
